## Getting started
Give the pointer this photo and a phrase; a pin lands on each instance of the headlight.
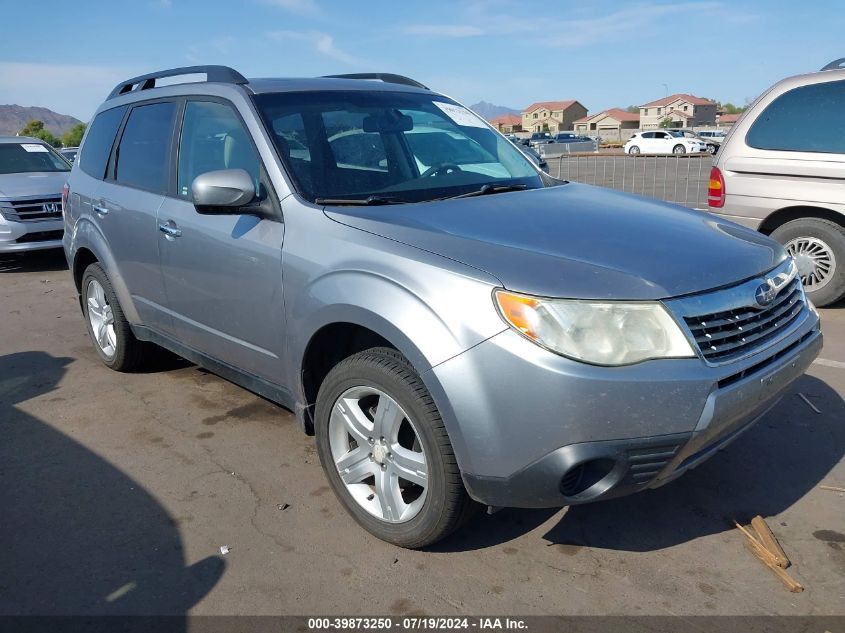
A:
(597, 332)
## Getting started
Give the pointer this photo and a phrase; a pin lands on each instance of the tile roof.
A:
(549, 105)
(507, 119)
(729, 118)
(688, 98)
(615, 113)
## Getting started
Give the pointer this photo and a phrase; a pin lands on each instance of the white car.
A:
(663, 142)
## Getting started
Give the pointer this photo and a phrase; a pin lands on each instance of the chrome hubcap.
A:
(815, 261)
(101, 318)
(378, 454)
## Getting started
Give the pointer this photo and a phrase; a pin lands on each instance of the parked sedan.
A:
(712, 146)
(663, 142)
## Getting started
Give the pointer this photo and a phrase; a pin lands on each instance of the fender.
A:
(86, 234)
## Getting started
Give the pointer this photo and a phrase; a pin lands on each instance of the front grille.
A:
(33, 209)
(723, 336)
(39, 236)
(646, 463)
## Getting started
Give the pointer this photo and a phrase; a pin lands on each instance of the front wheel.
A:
(679, 149)
(818, 247)
(385, 450)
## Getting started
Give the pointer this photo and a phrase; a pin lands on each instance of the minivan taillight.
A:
(65, 192)
(716, 189)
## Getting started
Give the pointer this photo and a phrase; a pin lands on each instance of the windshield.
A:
(403, 147)
(19, 158)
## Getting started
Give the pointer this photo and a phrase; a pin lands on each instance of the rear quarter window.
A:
(143, 153)
(806, 119)
(94, 154)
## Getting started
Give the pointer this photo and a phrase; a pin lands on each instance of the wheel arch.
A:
(798, 212)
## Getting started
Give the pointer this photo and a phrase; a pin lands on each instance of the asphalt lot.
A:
(680, 179)
(118, 491)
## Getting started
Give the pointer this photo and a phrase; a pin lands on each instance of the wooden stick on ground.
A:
(832, 488)
(768, 540)
(766, 557)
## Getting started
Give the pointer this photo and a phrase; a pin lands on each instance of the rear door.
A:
(125, 205)
(222, 273)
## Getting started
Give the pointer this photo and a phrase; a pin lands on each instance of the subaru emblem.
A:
(765, 293)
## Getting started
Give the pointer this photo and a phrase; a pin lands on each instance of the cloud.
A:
(322, 43)
(74, 89)
(300, 7)
(480, 19)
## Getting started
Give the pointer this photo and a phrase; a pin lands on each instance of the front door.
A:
(222, 273)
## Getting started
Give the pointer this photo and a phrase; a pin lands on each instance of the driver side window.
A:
(213, 138)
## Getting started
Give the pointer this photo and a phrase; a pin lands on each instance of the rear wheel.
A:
(634, 150)
(818, 247)
(385, 450)
(110, 332)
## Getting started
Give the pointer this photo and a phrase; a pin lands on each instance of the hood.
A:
(578, 241)
(39, 183)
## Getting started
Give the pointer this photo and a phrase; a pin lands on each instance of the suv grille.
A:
(47, 208)
(722, 336)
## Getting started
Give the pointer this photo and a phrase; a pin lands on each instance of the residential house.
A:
(727, 120)
(552, 116)
(610, 125)
(507, 123)
(680, 110)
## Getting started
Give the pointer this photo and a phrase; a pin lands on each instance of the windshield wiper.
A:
(368, 201)
(487, 189)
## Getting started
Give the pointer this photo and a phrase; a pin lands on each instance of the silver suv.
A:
(32, 176)
(780, 171)
(454, 326)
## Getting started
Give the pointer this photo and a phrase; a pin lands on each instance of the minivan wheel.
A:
(818, 247)
(109, 330)
(634, 150)
(385, 450)
(679, 149)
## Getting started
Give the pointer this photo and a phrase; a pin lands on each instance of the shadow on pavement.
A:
(79, 535)
(765, 471)
(50, 260)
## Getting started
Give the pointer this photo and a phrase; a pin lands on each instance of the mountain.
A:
(490, 110)
(14, 117)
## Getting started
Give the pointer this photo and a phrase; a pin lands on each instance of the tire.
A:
(679, 149)
(712, 149)
(819, 249)
(432, 512)
(125, 352)
(633, 150)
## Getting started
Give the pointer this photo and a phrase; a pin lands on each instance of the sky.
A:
(603, 53)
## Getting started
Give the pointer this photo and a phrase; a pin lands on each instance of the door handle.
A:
(170, 230)
(101, 211)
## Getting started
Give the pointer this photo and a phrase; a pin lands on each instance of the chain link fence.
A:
(678, 178)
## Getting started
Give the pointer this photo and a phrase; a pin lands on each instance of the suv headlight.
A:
(597, 332)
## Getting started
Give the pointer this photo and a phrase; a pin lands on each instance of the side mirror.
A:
(222, 192)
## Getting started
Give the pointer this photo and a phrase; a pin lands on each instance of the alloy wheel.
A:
(815, 261)
(378, 454)
(101, 318)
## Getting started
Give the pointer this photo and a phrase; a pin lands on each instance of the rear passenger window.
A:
(213, 138)
(142, 156)
(806, 119)
(94, 155)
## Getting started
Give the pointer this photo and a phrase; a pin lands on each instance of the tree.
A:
(666, 122)
(730, 108)
(73, 137)
(36, 129)
(633, 109)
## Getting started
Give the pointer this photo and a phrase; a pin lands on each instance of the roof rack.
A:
(389, 78)
(221, 74)
(836, 64)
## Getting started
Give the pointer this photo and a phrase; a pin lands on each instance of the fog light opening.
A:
(585, 475)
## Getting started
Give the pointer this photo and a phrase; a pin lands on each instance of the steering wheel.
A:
(441, 169)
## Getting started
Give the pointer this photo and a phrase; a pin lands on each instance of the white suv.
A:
(780, 171)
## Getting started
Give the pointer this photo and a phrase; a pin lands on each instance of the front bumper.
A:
(532, 429)
(17, 237)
